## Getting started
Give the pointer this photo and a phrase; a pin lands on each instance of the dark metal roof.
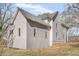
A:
(48, 16)
(31, 17)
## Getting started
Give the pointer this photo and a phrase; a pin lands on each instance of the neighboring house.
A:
(49, 19)
(59, 31)
(31, 31)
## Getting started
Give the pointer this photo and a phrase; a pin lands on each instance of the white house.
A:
(29, 31)
(58, 31)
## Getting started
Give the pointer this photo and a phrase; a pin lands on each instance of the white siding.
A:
(39, 41)
(61, 31)
(20, 41)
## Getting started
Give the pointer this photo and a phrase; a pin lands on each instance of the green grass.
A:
(68, 49)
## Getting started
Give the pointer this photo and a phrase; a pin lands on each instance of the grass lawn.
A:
(67, 49)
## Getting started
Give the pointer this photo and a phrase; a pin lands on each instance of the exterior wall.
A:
(65, 34)
(59, 32)
(39, 40)
(20, 41)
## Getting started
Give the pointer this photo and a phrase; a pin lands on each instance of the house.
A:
(58, 31)
(49, 19)
(28, 31)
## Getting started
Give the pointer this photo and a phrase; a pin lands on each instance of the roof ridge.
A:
(30, 16)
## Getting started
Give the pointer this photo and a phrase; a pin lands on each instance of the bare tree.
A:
(70, 17)
(71, 13)
(5, 17)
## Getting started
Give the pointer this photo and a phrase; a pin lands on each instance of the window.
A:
(63, 36)
(34, 32)
(45, 34)
(56, 34)
(56, 25)
(19, 32)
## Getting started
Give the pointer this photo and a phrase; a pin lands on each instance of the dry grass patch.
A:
(55, 50)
